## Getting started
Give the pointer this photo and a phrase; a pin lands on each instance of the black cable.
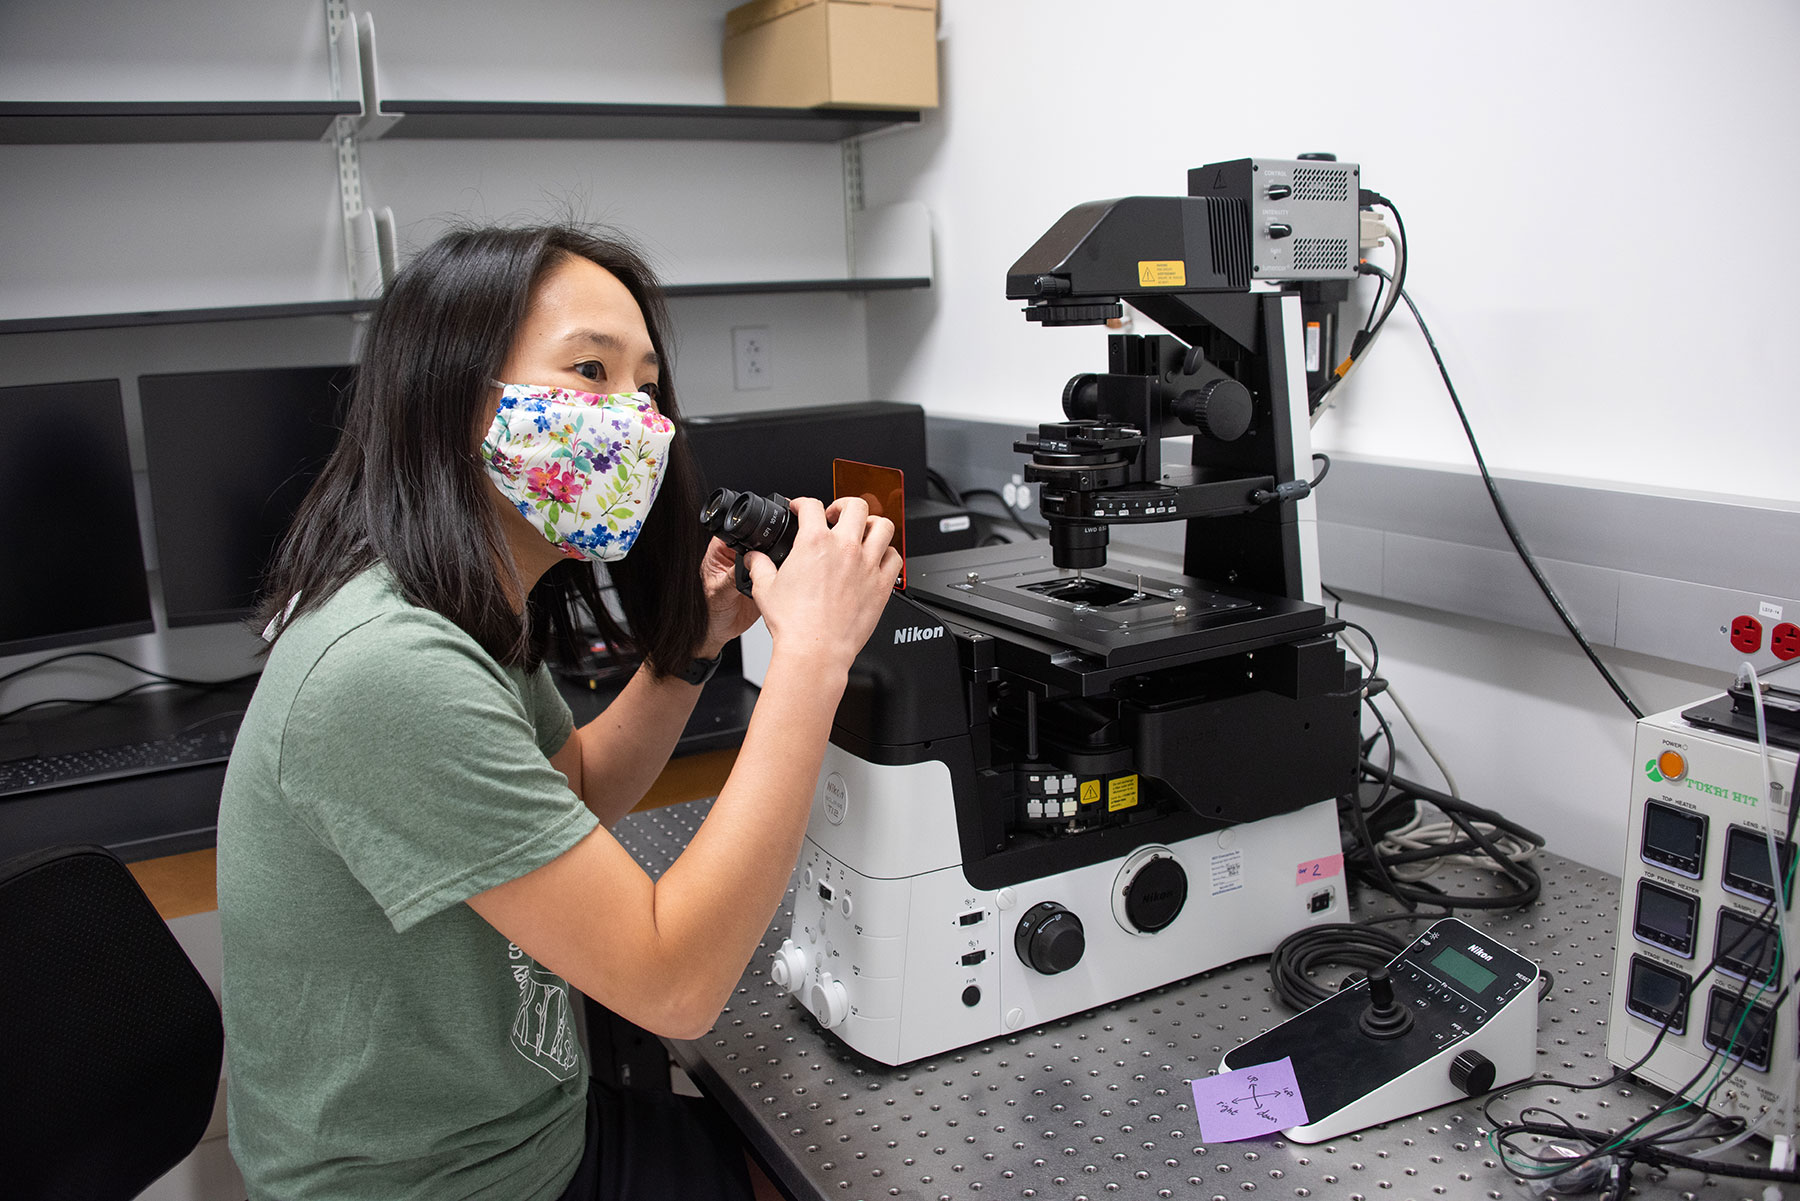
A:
(1506, 521)
(1372, 325)
(1010, 511)
(932, 477)
(156, 678)
(1345, 944)
(1373, 865)
(157, 675)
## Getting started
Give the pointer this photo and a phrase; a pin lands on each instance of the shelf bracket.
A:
(369, 261)
(853, 200)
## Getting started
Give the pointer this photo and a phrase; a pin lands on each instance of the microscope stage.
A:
(1127, 612)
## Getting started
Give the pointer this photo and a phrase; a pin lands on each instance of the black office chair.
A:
(110, 1041)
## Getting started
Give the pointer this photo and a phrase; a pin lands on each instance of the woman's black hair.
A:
(406, 485)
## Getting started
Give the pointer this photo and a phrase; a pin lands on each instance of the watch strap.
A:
(698, 671)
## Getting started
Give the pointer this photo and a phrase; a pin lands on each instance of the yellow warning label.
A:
(1121, 793)
(1090, 791)
(1170, 273)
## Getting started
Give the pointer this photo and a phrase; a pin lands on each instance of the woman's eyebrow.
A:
(607, 341)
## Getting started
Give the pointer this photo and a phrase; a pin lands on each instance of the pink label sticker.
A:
(1319, 869)
(1249, 1102)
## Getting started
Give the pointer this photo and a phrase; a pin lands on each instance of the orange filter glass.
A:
(884, 488)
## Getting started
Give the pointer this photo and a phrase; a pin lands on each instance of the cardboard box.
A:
(841, 53)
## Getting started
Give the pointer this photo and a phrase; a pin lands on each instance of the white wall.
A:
(1597, 193)
(1597, 196)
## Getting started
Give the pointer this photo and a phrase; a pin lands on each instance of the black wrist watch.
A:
(699, 671)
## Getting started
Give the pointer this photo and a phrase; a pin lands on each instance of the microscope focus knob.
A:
(828, 1000)
(789, 969)
(1472, 1072)
(1221, 409)
(1049, 938)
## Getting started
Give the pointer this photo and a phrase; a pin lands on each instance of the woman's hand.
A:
(729, 612)
(829, 592)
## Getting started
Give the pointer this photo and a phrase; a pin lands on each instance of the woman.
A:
(414, 860)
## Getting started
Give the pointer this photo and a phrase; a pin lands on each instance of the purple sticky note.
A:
(1249, 1102)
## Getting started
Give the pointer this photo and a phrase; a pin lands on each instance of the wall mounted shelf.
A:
(441, 119)
(335, 308)
(46, 123)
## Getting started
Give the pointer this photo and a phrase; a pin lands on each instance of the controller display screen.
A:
(1674, 837)
(1462, 969)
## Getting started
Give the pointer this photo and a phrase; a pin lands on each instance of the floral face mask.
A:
(582, 468)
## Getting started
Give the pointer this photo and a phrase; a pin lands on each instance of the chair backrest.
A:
(110, 1040)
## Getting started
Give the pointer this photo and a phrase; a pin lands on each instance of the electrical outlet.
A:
(1784, 640)
(750, 357)
(1746, 633)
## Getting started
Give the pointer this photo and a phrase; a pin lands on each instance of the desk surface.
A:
(1099, 1105)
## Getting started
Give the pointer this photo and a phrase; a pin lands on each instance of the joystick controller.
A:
(1447, 1018)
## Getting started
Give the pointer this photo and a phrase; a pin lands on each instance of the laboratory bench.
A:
(1100, 1105)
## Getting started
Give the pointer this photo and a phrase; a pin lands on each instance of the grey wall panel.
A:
(1351, 557)
(1476, 581)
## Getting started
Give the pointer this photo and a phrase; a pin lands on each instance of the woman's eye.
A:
(652, 391)
(591, 370)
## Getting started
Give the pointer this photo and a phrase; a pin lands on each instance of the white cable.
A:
(1419, 835)
(1413, 722)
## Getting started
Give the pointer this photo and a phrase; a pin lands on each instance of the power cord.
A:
(1500, 509)
(156, 677)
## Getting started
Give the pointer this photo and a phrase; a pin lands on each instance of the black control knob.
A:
(1385, 1017)
(1221, 409)
(1472, 1072)
(1280, 230)
(1050, 938)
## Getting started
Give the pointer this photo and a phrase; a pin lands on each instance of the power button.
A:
(1672, 765)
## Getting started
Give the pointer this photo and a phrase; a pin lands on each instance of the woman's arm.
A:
(613, 760)
(667, 953)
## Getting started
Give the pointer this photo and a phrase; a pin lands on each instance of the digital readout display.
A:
(1666, 918)
(1658, 994)
(1462, 969)
(1747, 861)
(1746, 947)
(1674, 837)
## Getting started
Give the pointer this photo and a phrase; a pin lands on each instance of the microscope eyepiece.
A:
(745, 521)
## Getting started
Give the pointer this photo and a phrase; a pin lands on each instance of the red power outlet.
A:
(1746, 633)
(1784, 640)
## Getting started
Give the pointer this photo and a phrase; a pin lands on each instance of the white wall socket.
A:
(750, 358)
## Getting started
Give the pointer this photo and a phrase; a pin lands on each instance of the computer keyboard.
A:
(113, 762)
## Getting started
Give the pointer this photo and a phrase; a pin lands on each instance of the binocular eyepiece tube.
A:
(745, 521)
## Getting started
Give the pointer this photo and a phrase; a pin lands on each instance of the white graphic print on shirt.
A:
(544, 1030)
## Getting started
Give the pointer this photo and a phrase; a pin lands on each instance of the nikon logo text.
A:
(917, 633)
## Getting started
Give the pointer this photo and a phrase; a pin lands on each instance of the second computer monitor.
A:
(71, 564)
(230, 455)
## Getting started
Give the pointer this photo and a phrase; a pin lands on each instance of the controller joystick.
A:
(1385, 1017)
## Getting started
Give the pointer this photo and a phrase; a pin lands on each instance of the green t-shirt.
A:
(382, 1040)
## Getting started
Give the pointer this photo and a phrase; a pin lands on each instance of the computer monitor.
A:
(790, 451)
(230, 456)
(71, 563)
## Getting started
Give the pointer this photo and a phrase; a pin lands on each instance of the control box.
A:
(1451, 1016)
(1697, 887)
